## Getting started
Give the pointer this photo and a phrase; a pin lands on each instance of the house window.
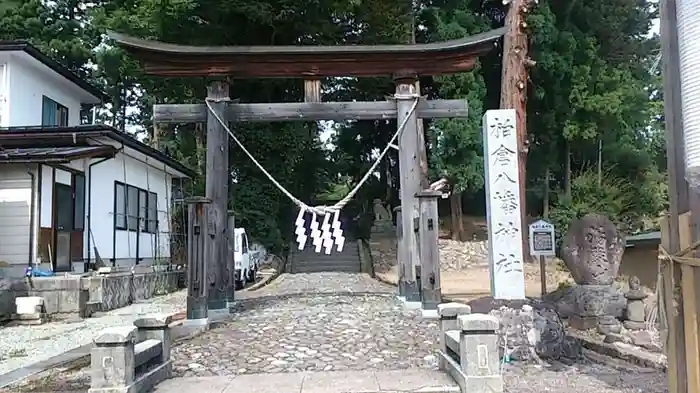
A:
(143, 210)
(135, 209)
(132, 208)
(152, 216)
(53, 113)
(119, 206)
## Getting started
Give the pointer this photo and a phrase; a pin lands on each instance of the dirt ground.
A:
(471, 280)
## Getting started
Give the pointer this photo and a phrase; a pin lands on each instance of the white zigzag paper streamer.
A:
(338, 231)
(315, 233)
(327, 235)
(300, 230)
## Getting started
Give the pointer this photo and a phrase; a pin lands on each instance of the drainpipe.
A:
(89, 209)
(32, 217)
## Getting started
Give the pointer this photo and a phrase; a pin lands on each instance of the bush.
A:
(615, 198)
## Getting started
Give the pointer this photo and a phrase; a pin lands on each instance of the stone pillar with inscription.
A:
(506, 254)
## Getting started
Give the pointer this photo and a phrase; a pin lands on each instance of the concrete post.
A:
(479, 355)
(157, 327)
(448, 313)
(112, 360)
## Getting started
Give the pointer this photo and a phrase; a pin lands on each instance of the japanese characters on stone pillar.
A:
(503, 204)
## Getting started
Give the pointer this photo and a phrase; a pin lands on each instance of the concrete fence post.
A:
(479, 355)
(448, 313)
(112, 360)
(156, 327)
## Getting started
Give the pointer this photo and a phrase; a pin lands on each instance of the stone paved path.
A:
(313, 322)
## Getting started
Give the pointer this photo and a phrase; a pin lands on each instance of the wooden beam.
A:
(410, 185)
(677, 192)
(308, 111)
(217, 175)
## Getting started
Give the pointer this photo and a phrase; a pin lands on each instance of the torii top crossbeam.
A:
(438, 58)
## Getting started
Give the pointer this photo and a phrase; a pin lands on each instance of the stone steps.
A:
(310, 261)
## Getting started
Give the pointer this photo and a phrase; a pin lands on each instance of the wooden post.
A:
(217, 179)
(431, 294)
(678, 196)
(231, 267)
(543, 276)
(312, 90)
(410, 185)
(196, 259)
(514, 82)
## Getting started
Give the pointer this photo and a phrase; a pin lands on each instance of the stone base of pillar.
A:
(412, 292)
(196, 307)
(219, 314)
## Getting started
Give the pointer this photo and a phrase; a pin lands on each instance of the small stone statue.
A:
(607, 324)
(635, 312)
(382, 218)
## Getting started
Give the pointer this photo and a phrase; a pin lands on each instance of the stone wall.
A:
(121, 289)
(80, 296)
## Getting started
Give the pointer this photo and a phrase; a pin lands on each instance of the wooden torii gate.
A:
(310, 63)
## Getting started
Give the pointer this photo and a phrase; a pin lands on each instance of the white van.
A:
(246, 267)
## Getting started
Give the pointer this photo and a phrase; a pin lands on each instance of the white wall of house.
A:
(24, 82)
(146, 174)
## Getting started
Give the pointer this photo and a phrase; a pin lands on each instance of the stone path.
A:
(396, 381)
(308, 326)
(21, 346)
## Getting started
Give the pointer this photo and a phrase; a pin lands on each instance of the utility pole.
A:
(514, 82)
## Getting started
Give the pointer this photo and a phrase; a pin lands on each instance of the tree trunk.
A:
(567, 171)
(545, 194)
(600, 162)
(456, 217)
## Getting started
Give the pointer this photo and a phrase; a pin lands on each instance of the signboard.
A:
(542, 240)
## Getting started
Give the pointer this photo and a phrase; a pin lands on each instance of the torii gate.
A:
(310, 63)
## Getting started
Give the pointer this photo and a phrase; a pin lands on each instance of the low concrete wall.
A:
(117, 290)
(80, 296)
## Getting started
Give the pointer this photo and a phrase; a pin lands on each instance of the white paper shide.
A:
(503, 204)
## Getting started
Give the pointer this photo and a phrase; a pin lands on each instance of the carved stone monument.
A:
(592, 250)
(383, 222)
(635, 314)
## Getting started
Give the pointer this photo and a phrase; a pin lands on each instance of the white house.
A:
(70, 191)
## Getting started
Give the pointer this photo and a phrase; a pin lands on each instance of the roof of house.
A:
(61, 155)
(25, 137)
(31, 50)
(651, 239)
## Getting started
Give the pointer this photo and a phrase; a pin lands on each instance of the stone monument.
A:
(635, 315)
(383, 222)
(592, 250)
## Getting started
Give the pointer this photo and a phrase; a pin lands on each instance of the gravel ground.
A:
(21, 346)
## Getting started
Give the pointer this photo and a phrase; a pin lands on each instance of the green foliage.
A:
(609, 195)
